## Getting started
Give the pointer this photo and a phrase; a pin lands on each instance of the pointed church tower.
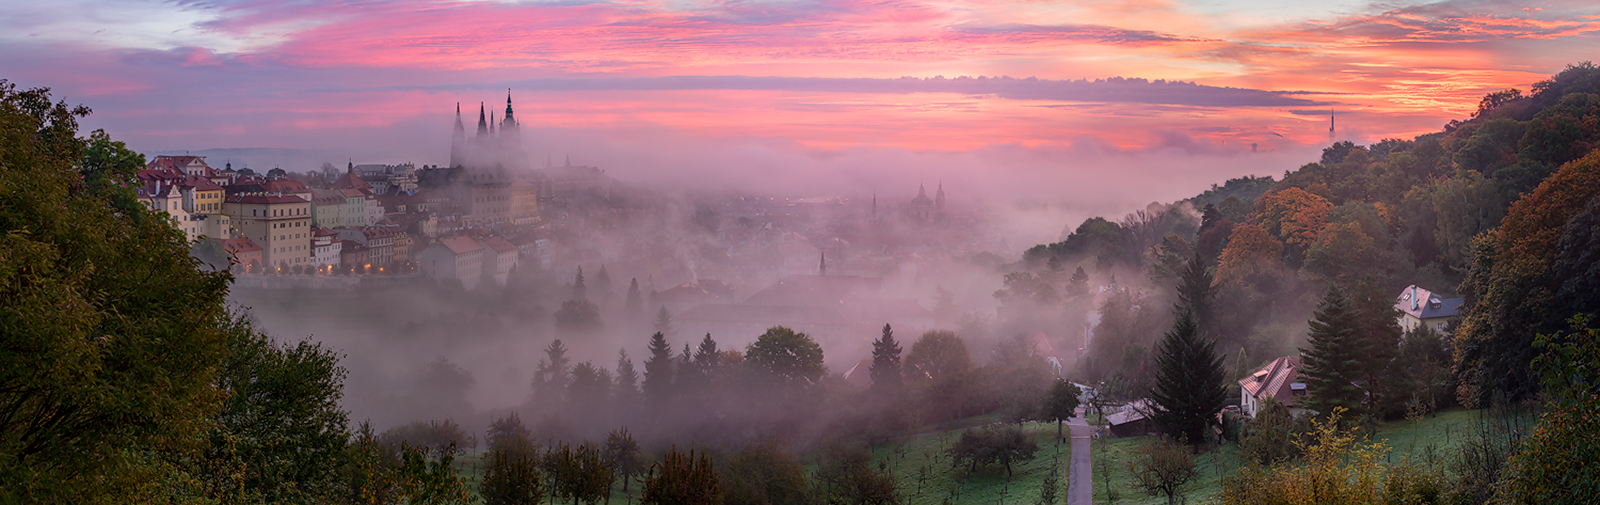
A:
(458, 140)
(938, 201)
(822, 264)
(483, 124)
(922, 206)
(509, 127)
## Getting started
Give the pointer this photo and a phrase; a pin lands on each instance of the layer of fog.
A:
(1014, 196)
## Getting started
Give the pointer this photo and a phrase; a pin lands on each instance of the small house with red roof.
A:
(1279, 379)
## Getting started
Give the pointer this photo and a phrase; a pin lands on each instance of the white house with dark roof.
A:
(1420, 307)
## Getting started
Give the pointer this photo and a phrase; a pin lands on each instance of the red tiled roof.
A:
(266, 199)
(201, 184)
(1273, 380)
(460, 245)
(285, 186)
(239, 245)
(499, 244)
(179, 163)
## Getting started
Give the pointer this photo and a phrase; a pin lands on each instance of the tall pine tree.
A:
(625, 389)
(886, 375)
(635, 302)
(1378, 343)
(1191, 384)
(1197, 292)
(1333, 363)
(579, 292)
(658, 374)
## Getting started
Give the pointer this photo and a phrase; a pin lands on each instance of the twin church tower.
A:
(491, 146)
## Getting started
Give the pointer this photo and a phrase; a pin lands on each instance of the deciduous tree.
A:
(785, 358)
(1511, 288)
(683, 479)
(1163, 468)
(113, 332)
(622, 454)
(1061, 404)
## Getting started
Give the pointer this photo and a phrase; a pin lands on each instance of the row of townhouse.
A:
(367, 220)
(478, 255)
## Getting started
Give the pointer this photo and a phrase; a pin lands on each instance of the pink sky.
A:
(811, 79)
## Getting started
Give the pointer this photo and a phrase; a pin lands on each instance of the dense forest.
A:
(126, 377)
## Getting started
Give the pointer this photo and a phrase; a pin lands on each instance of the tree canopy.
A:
(114, 333)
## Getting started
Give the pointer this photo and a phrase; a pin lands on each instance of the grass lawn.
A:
(926, 476)
(1433, 436)
(1438, 435)
(1113, 484)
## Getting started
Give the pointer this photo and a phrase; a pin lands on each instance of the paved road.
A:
(1080, 483)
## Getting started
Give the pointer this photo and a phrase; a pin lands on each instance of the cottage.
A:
(1279, 379)
(1420, 307)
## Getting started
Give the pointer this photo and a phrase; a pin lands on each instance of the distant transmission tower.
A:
(1330, 125)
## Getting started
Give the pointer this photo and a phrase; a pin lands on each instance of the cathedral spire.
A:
(458, 140)
(483, 121)
(508, 120)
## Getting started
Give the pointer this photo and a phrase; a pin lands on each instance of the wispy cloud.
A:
(812, 76)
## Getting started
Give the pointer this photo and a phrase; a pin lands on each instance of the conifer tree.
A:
(1078, 284)
(663, 321)
(1377, 331)
(579, 292)
(1197, 293)
(625, 389)
(658, 373)
(1190, 386)
(886, 374)
(694, 378)
(1332, 364)
(705, 356)
(635, 303)
(550, 377)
